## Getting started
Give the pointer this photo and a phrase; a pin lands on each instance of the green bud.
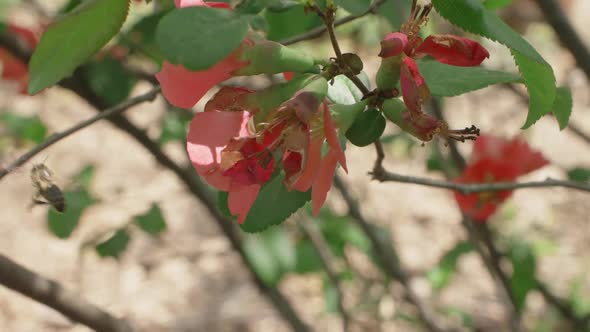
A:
(389, 72)
(268, 57)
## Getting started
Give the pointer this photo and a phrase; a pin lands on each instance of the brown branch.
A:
(317, 32)
(55, 296)
(311, 230)
(122, 107)
(566, 33)
(389, 259)
(77, 84)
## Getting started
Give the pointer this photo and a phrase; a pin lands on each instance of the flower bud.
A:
(268, 57)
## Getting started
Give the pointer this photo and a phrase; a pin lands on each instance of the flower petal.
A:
(13, 69)
(332, 138)
(323, 181)
(453, 50)
(184, 88)
(228, 99)
(414, 88)
(312, 164)
(393, 44)
(188, 3)
(240, 200)
(208, 134)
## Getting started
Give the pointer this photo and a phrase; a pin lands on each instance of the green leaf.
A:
(256, 6)
(141, 37)
(395, 12)
(271, 254)
(537, 75)
(280, 24)
(355, 7)
(273, 206)
(63, 224)
(174, 126)
(579, 174)
(330, 296)
(199, 37)
(115, 245)
(109, 80)
(496, 4)
(523, 277)
(440, 275)
(343, 91)
(73, 40)
(152, 222)
(540, 83)
(84, 177)
(24, 127)
(367, 128)
(562, 106)
(222, 203)
(446, 80)
(308, 259)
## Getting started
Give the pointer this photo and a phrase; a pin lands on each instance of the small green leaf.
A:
(496, 4)
(273, 206)
(72, 40)
(355, 7)
(446, 80)
(109, 80)
(330, 296)
(115, 245)
(271, 254)
(63, 224)
(222, 201)
(367, 128)
(523, 277)
(280, 24)
(152, 222)
(562, 106)
(308, 259)
(579, 174)
(84, 177)
(199, 37)
(440, 275)
(174, 127)
(24, 127)
(343, 91)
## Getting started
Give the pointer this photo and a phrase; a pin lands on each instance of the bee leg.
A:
(37, 200)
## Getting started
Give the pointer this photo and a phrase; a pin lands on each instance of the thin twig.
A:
(311, 230)
(566, 33)
(55, 296)
(122, 107)
(389, 259)
(317, 32)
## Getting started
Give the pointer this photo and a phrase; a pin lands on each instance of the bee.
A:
(47, 191)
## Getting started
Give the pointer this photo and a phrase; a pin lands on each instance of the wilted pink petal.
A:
(184, 88)
(332, 138)
(393, 44)
(312, 164)
(228, 99)
(453, 50)
(323, 182)
(414, 88)
(208, 134)
(240, 200)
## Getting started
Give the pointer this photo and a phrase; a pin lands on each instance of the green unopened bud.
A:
(389, 72)
(344, 115)
(268, 57)
(354, 62)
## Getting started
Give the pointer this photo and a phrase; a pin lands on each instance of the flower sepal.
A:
(269, 57)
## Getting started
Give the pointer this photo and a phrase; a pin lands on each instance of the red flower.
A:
(495, 160)
(13, 69)
(448, 49)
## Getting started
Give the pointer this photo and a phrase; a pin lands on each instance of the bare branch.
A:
(317, 32)
(311, 230)
(122, 107)
(53, 295)
(389, 259)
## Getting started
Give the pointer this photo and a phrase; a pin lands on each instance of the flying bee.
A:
(47, 191)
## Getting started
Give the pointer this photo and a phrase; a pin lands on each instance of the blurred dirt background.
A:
(190, 280)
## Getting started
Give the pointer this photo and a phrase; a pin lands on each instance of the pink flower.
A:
(233, 156)
(495, 159)
(448, 49)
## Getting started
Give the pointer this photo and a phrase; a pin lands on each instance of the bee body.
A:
(47, 191)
